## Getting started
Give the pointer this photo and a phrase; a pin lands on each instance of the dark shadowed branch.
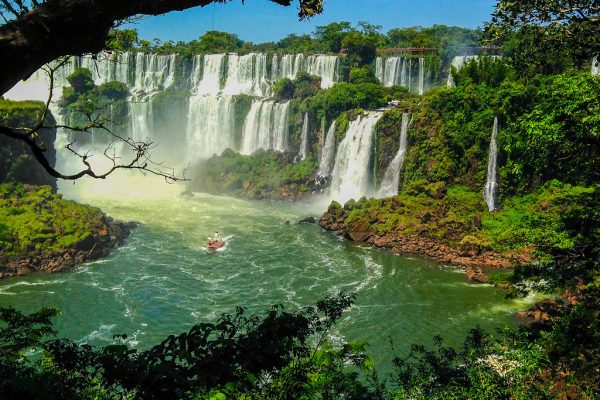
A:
(37, 33)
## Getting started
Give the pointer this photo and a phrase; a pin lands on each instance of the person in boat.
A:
(215, 240)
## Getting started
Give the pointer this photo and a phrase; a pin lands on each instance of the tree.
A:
(280, 355)
(545, 36)
(38, 32)
(218, 42)
(332, 35)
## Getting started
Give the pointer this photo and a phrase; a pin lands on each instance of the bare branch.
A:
(95, 119)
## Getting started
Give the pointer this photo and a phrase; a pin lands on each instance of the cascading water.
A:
(304, 139)
(328, 153)
(207, 73)
(421, 76)
(210, 126)
(491, 185)
(596, 66)
(391, 178)
(323, 66)
(350, 176)
(290, 65)
(247, 75)
(141, 122)
(392, 71)
(265, 127)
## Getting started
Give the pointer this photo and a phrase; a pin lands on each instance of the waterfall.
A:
(304, 140)
(596, 66)
(207, 73)
(210, 126)
(392, 71)
(391, 178)
(328, 153)
(323, 66)
(141, 121)
(491, 185)
(280, 127)
(247, 75)
(265, 127)
(350, 176)
(421, 76)
(288, 67)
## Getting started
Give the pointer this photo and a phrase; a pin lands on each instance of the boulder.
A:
(475, 274)
(308, 220)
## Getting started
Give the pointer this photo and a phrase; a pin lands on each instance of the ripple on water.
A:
(160, 283)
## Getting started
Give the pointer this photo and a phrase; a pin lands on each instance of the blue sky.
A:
(262, 21)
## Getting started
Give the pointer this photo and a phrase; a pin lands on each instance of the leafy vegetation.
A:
(257, 176)
(280, 355)
(16, 161)
(37, 221)
(91, 108)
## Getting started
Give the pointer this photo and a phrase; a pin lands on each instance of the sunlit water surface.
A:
(162, 281)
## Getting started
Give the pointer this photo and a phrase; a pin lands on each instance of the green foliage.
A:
(284, 89)
(306, 86)
(255, 176)
(122, 39)
(81, 80)
(218, 42)
(278, 355)
(17, 164)
(37, 221)
(346, 96)
(488, 70)
(113, 90)
(362, 75)
(546, 36)
(556, 135)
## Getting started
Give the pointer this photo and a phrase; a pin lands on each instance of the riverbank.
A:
(42, 232)
(451, 225)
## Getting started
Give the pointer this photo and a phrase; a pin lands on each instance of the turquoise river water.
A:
(162, 282)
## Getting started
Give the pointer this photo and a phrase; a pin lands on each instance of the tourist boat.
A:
(215, 244)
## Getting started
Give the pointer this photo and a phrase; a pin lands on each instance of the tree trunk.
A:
(71, 27)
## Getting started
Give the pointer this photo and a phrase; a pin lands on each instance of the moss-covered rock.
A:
(455, 221)
(40, 231)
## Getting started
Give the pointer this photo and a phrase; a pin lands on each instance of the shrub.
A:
(81, 80)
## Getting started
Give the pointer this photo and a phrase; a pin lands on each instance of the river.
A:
(162, 281)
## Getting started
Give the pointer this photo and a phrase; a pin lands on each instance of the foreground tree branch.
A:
(140, 159)
(58, 28)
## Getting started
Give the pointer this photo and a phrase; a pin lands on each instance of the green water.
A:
(161, 282)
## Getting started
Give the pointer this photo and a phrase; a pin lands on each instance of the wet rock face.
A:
(92, 247)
